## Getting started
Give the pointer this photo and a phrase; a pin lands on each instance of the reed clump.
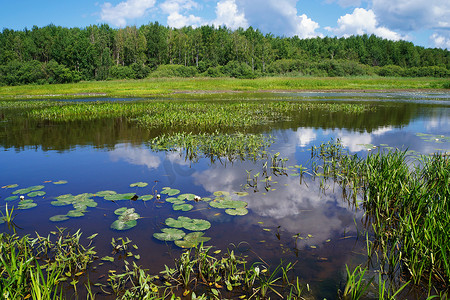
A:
(214, 146)
(406, 203)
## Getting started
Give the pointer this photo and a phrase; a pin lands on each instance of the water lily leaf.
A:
(170, 192)
(66, 198)
(197, 225)
(90, 203)
(169, 234)
(28, 189)
(117, 197)
(60, 182)
(12, 198)
(175, 200)
(171, 222)
(120, 211)
(139, 184)
(79, 206)
(221, 193)
(120, 225)
(59, 203)
(228, 204)
(105, 193)
(26, 204)
(205, 199)
(189, 197)
(241, 194)
(192, 240)
(145, 197)
(10, 186)
(182, 207)
(59, 218)
(35, 194)
(75, 213)
(237, 211)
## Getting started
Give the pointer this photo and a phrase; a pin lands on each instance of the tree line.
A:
(55, 54)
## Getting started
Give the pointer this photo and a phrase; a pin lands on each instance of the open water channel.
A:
(111, 154)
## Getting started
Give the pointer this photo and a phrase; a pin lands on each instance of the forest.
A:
(55, 54)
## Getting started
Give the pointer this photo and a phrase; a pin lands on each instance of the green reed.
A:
(407, 206)
(214, 146)
(202, 115)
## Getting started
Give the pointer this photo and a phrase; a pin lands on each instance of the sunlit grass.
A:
(166, 86)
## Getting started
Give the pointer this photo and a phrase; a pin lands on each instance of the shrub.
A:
(121, 72)
(174, 71)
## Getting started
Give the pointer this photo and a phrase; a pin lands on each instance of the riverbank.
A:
(178, 86)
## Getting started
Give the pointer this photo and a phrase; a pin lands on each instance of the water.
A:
(111, 154)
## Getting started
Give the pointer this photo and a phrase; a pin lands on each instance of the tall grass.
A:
(164, 86)
(407, 206)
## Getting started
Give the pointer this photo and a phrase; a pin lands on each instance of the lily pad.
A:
(139, 184)
(75, 213)
(225, 203)
(170, 192)
(105, 193)
(28, 189)
(59, 203)
(12, 198)
(221, 193)
(182, 207)
(120, 211)
(10, 186)
(60, 182)
(145, 197)
(129, 215)
(120, 225)
(169, 234)
(189, 197)
(117, 197)
(188, 223)
(174, 200)
(192, 240)
(237, 211)
(59, 218)
(26, 205)
(36, 194)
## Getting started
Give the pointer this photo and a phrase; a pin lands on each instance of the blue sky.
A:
(425, 23)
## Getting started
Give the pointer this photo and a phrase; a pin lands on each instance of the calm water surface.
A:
(111, 154)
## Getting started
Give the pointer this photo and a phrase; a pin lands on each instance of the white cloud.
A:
(227, 14)
(440, 41)
(175, 10)
(412, 14)
(305, 136)
(362, 21)
(130, 9)
(346, 3)
(279, 17)
(135, 156)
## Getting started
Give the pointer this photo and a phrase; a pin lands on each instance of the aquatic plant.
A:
(126, 220)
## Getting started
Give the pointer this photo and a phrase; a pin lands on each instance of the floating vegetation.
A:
(59, 218)
(29, 189)
(182, 207)
(215, 145)
(105, 193)
(36, 194)
(80, 203)
(127, 219)
(145, 197)
(189, 197)
(188, 223)
(192, 240)
(139, 184)
(117, 197)
(10, 186)
(169, 234)
(26, 204)
(169, 191)
(60, 182)
(11, 198)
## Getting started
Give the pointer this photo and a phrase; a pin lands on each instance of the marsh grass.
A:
(237, 146)
(406, 203)
(166, 86)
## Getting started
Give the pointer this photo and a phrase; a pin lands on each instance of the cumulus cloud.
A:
(135, 156)
(410, 15)
(440, 41)
(227, 14)
(177, 9)
(363, 21)
(279, 17)
(120, 13)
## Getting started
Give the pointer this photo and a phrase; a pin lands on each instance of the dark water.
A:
(111, 154)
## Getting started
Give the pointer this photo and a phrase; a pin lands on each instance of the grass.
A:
(166, 86)
(407, 206)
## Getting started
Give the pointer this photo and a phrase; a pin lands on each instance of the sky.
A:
(425, 23)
